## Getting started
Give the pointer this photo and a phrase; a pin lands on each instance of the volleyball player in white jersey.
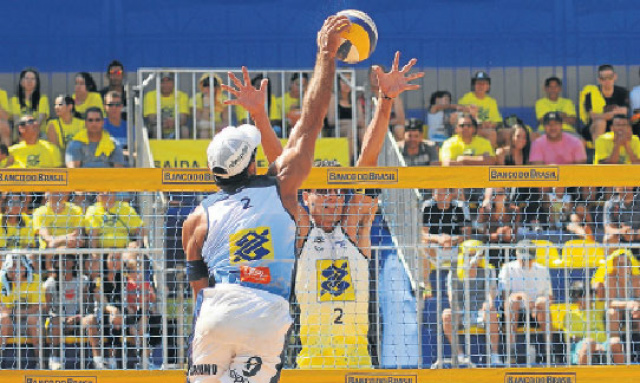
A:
(332, 281)
(242, 238)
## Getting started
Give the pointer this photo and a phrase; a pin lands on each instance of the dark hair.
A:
(114, 63)
(439, 94)
(113, 94)
(548, 81)
(296, 75)
(68, 100)
(88, 81)
(619, 116)
(93, 109)
(527, 147)
(35, 97)
(469, 116)
(4, 149)
(604, 67)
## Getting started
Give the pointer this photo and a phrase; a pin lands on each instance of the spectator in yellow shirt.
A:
(619, 146)
(33, 152)
(169, 97)
(16, 227)
(60, 130)
(86, 95)
(467, 147)
(203, 101)
(5, 130)
(484, 108)
(59, 224)
(21, 296)
(29, 100)
(554, 103)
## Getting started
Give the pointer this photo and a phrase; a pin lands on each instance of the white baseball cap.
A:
(230, 151)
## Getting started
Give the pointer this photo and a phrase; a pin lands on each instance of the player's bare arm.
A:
(254, 101)
(294, 165)
(194, 232)
(361, 209)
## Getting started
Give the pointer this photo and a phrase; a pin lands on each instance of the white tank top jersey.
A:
(332, 289)
(251, 237)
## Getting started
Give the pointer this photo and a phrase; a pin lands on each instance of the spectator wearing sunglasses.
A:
(32, 152)
(115, 79)
(114, 124)
(93, 147)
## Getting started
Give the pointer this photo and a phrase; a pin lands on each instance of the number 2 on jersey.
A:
(340, 313)
(247, 202)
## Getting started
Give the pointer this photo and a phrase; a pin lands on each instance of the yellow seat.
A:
(547, 254)
(473, 330)
(580, 253)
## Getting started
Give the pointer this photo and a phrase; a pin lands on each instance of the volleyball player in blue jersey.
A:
(239, 242)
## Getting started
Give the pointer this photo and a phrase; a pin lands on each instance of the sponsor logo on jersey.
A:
(334, 280)
(250, 245)
(261, 275)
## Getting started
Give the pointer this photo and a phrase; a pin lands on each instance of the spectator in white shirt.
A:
(526, 286)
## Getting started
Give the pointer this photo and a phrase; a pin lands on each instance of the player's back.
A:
(332, 289)
(250, 238)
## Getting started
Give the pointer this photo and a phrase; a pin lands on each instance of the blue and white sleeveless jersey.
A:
(251, 237)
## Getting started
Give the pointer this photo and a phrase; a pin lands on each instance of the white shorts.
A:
(239, 335)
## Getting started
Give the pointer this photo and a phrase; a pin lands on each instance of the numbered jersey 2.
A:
(251, 238)
(332, 289)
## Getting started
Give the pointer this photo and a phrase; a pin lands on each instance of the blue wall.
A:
(74, 35)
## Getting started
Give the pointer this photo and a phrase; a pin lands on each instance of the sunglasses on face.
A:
(116, 71)
(605, 78)
(465, 125)
(26, 122)
(94, 119)
(114, 104)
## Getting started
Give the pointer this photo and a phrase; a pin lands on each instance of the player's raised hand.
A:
(397, 80)
(250, 98)
(329, 35)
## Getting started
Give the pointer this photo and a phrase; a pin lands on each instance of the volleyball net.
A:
(493, 267)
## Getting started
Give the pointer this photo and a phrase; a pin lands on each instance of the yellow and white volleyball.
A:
(360, 40)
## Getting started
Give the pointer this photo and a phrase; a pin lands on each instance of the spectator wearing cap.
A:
(203, 100)
(557, 147)
(86, 95)
(554, 103)
(585, 327)
(598, 104)
(526, 288)
(174, 110)
(415, 150)
(290, 103)
(440, 116)
(619, 146)
(31, 151)
(483, 107)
